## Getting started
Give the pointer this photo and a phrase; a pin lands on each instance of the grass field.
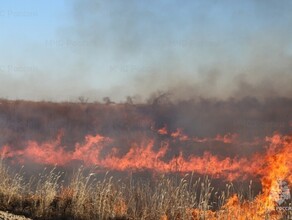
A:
(46, 196)
(117, 137)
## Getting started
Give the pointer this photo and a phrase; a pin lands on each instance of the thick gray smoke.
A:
(129, 48)
(246, 123)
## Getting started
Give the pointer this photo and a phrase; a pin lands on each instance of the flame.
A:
(178, 134)
(277, 158)
(277, 166)
(227, 138)
(239, 210)
(163, 131)
(272, 166)
(53, 153)
(235, 209)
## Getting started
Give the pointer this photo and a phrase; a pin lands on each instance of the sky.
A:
(60, 50)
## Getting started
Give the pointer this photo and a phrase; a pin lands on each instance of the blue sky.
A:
(59, 50)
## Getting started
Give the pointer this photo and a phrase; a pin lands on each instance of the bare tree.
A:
(129, 100)
(107, 100)
(160, 98)
(82, 99)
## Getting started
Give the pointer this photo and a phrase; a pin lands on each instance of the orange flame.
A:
(179, 135)
(163, 131)
(277, 166)
(273, 165)
(140, 157)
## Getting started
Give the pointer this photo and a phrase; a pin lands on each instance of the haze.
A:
(60, 50)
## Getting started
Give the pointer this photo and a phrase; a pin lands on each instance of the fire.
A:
(227, 139)
(241, 210)
(272, 167)
(53, 153)
(178, 134)
(162, 131)
(277, 168)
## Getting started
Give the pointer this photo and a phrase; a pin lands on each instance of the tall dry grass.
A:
(46, 196)
(11, 187)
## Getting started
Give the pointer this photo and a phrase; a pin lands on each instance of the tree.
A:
(82, 99)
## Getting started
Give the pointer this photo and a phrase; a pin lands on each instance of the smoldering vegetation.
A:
(246, 119)
(235, 128)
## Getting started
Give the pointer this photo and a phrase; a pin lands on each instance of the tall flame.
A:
(271, 167)
(274, 165)
(277, 167)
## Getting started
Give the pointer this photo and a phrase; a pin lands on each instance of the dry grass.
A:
(11, 187)
(86, 197)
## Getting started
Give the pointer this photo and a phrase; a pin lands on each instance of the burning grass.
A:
(141, 138)
(165, 197)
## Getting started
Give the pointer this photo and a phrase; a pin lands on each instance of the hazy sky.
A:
(61, 49)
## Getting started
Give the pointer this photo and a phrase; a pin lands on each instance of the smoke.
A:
(207, 136)
(232, 127)
(160, 51)
(117, 49)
